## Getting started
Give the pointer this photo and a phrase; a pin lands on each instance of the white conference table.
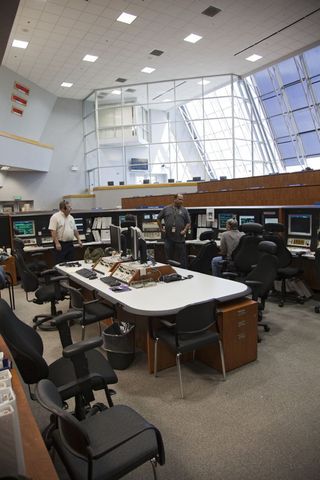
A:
(162, 298)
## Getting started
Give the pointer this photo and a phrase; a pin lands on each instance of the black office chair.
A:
(209, 234)
(50, 291)
(78, 360)
(262, 277)
(6, 281)
(36, 265)
(285, 270)
(202, 262)
(245, 256)
(92, 310)
(193, 329)
(108, 445)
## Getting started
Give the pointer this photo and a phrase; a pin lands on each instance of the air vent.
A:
(121, 80)
(157, 53)
(211, 11)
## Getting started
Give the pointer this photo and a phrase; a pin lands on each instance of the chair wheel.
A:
(317, 309)
(300, 301)
(266, 328)
(281, 304)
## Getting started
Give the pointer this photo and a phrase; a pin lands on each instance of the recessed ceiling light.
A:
(5, 168)
(204, 82)
(148, 70)
(192, 38)
(90, 58)
(121, 80)
(126, 18)
(166, 100)
(116, 92)
(20, 44)
(66, 84)
(211, 11)
(254, 57)
(156, 52)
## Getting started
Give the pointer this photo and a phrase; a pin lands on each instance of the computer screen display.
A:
(24, 228)
(115, 237)
(138, 246)
(271, 220)
(246, 219)
(79, 224)
(223, 218)
(299, 224)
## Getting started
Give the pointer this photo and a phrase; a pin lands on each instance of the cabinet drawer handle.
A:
(241, 312)
(242, 323)
(241, 336)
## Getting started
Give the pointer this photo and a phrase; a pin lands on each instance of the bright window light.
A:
(66, 84)
(148, 70)
(116, 92)
(192, 38)
(20, 44)
(90, 58)
(204, 82)
(126, 18)
(254, 57)
(5, 168)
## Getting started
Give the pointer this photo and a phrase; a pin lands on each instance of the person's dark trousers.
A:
(176, 251)
(66, 254)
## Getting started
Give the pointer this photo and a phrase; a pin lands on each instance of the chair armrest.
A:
(65, 317)
(253, 283)
(81, 347)
(230, 275)
(37, 254)
(167, 324)
(89, 302)
(192, 257)
(173, 263)
(50, 271)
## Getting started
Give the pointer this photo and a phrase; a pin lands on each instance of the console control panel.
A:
(299, 242)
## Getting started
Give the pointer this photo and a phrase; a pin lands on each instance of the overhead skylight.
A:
(148, 70)
(254, 57)
(204, 82)
(126, 18)
(192, 38)
(66, 84)
(19, 44)
(90, 58)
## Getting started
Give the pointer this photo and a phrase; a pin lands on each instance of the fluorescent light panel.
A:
(116, 92)
(126, 18)
(90, 58)
(19, 44)
(148, 70)
(5, 168)
(66, 84)
(254, 57)
(192, 38)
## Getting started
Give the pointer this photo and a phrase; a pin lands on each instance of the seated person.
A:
(228, 242)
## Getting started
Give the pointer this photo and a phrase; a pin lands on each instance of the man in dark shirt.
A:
(175, 228)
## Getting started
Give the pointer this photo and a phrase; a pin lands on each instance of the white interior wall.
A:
(54, 121)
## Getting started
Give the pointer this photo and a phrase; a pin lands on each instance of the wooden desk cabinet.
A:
(238, 328)
(10, 266)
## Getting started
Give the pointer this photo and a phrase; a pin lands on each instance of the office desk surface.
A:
(164, 298)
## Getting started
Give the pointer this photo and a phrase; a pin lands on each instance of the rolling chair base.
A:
(41, 322)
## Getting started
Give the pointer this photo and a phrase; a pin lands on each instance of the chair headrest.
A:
(255, 228)
(209, 235)
(274, 227)
(128, 223)
(268, 247)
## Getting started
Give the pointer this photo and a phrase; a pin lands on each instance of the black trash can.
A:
(119, 342)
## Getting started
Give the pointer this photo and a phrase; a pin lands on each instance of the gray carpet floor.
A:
(262, 422)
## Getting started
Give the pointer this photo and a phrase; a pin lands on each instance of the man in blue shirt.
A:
(176, 224)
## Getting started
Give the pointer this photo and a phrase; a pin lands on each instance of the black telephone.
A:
(172, 277)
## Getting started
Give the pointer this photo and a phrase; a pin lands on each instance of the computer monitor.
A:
(223, 218)
(110, 183)
(79, 224)
(170, 180)
(146, 181)
(24, 228)
(196, 179)
(246, 219)
(138, 246)
(300, 224)
(271, 220)
(115, 238)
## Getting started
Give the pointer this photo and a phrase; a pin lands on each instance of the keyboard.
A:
(112, 282)
(86, 273)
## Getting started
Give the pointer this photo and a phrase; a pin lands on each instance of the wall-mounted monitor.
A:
(223, 218)
(24, 228)
(300, 224)
(138, 164)
(79, 224)
(246, 219)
